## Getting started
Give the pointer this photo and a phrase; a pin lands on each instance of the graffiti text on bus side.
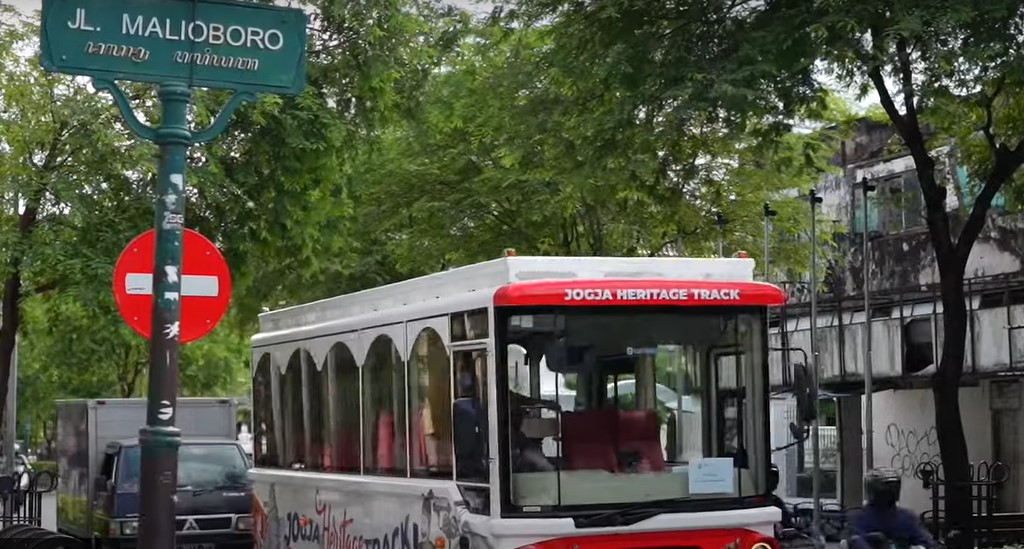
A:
(640, 294)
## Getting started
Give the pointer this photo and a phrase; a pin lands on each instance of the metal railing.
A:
(991, 528)
(21, 497)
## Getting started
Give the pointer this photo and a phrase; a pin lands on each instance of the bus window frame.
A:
(501, 486)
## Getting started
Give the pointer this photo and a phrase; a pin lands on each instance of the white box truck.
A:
(98, 459)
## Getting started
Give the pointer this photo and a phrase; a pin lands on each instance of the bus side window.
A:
(292, 415)
(469, 422)
(430, 399)
(264, 447)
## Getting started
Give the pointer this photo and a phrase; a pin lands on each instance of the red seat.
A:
(588, 440)
(420, 459)
(638, 432)
(347, 449)
(385, 442)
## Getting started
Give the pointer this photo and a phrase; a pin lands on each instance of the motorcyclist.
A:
(881, 516)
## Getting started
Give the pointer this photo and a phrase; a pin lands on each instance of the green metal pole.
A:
(160, 439)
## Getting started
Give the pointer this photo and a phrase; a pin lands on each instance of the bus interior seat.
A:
(385, 441)
(347, 450)
(587, 441)
(420, 457)
(638, 433)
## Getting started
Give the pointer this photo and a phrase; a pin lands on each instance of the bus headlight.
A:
(761, 545)
(129, 527)
(244, 523)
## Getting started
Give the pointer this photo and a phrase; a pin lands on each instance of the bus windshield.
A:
(618, 405)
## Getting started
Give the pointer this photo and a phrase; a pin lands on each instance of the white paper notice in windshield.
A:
(712, 476)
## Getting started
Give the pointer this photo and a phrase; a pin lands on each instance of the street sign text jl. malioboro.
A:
(208, 43)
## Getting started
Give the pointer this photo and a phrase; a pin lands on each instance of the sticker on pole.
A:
(205, 285)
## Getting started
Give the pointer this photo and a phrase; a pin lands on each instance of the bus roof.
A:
(488, 276)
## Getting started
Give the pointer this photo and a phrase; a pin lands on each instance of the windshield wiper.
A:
(626, 516)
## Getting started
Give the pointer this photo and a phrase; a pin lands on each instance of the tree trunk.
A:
(10, 307)
(948, 422)
(11, 312)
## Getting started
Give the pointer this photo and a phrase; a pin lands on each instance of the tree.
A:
(271, 192)
(58, 143)
(958, 72)
(276, 189)
(513, 147)
(956, 67)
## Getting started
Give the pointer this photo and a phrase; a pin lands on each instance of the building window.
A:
(264, 447)
(384, 417)
(970, 187)
(345, 391)
(293, 427)
(896, 205)
(918, 345)
(430, 401)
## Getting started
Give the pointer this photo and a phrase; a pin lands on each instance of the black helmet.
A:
(882, 487)
(773, 478)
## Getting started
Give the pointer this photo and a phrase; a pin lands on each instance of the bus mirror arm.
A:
(800, 434)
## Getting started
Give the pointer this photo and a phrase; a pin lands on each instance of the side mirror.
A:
(804, 393)
(102, 485)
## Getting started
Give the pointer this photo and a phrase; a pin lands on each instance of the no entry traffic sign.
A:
(205, 285)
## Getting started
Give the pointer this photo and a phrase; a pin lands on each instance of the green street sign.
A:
(206, 43)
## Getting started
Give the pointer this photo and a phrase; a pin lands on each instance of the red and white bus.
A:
(525, 402)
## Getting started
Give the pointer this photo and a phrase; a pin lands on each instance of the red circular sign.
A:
(205, 286)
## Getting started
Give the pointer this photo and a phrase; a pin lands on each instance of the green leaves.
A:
(515, 147)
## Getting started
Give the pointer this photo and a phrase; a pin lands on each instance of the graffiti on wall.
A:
(910, 448)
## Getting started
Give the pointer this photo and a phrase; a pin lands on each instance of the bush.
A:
(50, 466)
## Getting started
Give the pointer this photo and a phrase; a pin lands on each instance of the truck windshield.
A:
(200, 466)
(622, 405)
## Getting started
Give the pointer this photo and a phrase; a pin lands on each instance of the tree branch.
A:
(1007, 162)
(988, 100)
(907, 83)
(885, 98)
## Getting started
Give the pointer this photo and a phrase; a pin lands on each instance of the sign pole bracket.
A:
(224, 118)
(137, 126)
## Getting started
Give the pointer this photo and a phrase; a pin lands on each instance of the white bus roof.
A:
(490, 275)
(462, 288)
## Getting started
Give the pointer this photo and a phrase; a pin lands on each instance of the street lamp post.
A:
(869, 431)
(813, 199)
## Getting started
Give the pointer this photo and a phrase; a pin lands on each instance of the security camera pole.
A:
(869, 431)
(819, 541)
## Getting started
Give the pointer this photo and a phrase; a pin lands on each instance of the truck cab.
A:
(99, 461)
(213, 500)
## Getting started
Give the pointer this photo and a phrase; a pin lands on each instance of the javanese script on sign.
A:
(641, 294)
(239, 45)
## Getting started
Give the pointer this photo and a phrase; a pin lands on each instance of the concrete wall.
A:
(905, 437)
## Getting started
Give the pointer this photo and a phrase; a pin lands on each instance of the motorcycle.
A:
(878, 540)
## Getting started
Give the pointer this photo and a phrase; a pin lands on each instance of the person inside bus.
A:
(528, 453)
(469, 427)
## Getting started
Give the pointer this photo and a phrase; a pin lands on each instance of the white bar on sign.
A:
(191, 285)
